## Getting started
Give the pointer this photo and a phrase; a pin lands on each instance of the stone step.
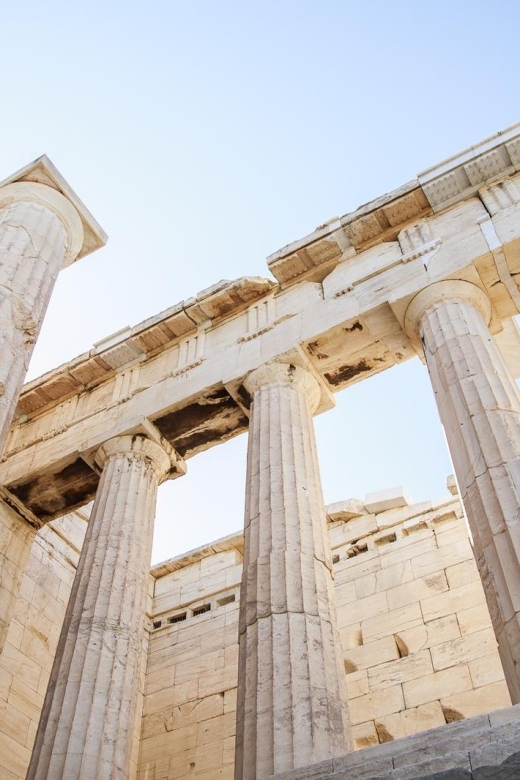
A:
(463, 740)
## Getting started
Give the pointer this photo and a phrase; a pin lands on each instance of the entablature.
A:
(182, 371)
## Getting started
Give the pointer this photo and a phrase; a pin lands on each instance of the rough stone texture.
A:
(291, 689)
(39, 228)
(31, 641)
(16, 538)
(90, 707)
(479, 405)
(387, 652)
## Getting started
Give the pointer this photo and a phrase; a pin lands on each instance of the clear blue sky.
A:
(205, 135)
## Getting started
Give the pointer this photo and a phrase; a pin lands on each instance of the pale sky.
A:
(204, 136)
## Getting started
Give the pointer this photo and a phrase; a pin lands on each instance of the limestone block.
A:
(358, 566)
(343, 511)
(218, 682)
(486, 670)
(230, 700)
(464, 649)
(439, 559)
(364, 735)
(448, 536)
(376, 704)
(411, 721)
(365, 586)
(357, 683)
(393, 576)
(476, 702)
(370, 654)
(382, 500)
(216, 729)
(408, 548)
(473, 619)
(416, 590)
(462, 573)
(454, 600)
(14, 757)
(196, 667)
(346, 593)
(396, 672)
(401, 515)
(362, 609)
(390, 623)
(355, 529)
(412, 640)
(438, 685)
(25, 700)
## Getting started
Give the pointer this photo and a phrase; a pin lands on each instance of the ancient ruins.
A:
(324, 642)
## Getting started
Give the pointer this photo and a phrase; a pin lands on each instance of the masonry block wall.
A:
(418, 645)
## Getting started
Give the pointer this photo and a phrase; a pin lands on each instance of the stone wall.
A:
(32, 638)
(418, 645)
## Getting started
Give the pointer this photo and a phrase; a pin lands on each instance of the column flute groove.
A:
(479, 406)
(89, 713)
(291, 708)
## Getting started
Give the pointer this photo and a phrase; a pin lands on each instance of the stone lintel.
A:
(43, 171)
(457, 178)
(392, 498)
(226, 544)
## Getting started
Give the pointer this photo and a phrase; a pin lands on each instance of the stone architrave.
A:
(40, 231)
(292, 708)
(479, 406)
(89, 712)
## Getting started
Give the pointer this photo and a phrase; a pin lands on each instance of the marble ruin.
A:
(323, 642)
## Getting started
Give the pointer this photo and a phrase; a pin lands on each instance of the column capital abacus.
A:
(49, 198)
(163, 458)
(284, 373)
(448, 290)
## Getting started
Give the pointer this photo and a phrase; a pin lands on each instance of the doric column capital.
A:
(287, 374)
(49, 198)
(449, 290)
(163, 458)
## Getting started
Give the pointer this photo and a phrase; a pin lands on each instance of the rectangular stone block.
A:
(412, 640)
(411, 721)
(389, 623)
(438, 685)
(400, 671)
(416, 590)
(362, 609)
(476, 702)
(473, 619)
(376, 704)
(464, 649)
(452, 601)
(372, 653)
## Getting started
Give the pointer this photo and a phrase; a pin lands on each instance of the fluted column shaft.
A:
(479, 406)
(89, 712)
(40, 230)
(292, 708)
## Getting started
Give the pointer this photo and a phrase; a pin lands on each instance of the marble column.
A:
(292, 704)
(89, 712)
(479, 406)
(40, 231)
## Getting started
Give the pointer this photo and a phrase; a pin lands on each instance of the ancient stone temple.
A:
(373, 638)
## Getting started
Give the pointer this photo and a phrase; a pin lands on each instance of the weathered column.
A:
(292, 708)
(479, 406)
(89, 712)
(40, 231)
